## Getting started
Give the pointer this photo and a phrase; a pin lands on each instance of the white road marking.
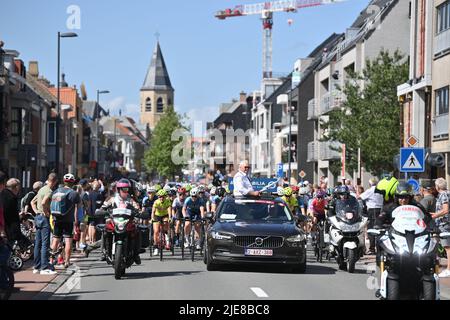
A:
(259, 292)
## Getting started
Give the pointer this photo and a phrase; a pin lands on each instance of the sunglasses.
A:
(126, 190)
(246, 167)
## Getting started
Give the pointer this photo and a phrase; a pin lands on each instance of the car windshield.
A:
(254, 210)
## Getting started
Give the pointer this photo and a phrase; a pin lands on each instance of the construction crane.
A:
(266, 11)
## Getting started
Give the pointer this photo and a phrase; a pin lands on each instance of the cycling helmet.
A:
(321, 194)
(287, 191)
(162, 193)
(158, 187)
(69, 178)
(167, 188)
(194, 192)
(280, 191)
(404, 189)
(181, 190)
(151, 189)
(172, 192)
(295, 189)
(342, 190)
(201, 188)
(387, 187)
(221, 192)
(188, 187)
(123, 183)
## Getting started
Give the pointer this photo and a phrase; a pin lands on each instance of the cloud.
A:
(198, 117)
(120, 104)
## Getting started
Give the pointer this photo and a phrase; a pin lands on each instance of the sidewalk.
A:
(29, 286)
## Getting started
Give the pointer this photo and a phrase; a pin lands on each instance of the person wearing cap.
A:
(25, 203)
(241, 181)
(428, 199)
(64, 224)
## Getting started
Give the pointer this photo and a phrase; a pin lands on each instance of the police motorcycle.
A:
(346, 233)
(408, 260)
(120, 234)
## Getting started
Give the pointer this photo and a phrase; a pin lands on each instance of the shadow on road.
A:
(310, 269)
(144, 275)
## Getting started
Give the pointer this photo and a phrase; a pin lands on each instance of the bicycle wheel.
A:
(152, 243)
(172, 239)
(182, 239)
(192, 242)
(321, 244)
(162, 243)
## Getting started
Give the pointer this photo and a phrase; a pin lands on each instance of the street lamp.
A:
(60, 35)
(97, 116)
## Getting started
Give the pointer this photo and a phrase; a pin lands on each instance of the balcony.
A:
(440, 127)
(313, 152)
(313, 110)
(330, 101)
(326, 153)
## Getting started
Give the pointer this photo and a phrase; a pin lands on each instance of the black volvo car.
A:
(258, 231)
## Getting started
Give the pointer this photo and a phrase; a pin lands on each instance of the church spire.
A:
(157, 77)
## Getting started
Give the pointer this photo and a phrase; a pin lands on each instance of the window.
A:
(160, 105)
(16, 128)
(443, 17)
(262, 121)
(51, 132)
(442, 101)
(148, 105)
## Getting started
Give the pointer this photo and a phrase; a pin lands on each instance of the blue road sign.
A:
(415, 185)
(258, 184)
(280, 170)
(412, 159)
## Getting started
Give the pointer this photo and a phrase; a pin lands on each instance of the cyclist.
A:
(161, 212)
(194, 209)
(220, 194)
(149, 200)
(318, 207)
(177, 212)
(290, 200)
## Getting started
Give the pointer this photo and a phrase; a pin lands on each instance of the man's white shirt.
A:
(373, 200)
(242, 184)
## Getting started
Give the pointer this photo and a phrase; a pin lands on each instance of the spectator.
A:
(96, 200)
(65, 198)
(41, 205)
(83, 190)
(359, 191)
(441, 217)
(374, 203)
(25, 204)
(11, 212)
(348, 183)
(428, 199)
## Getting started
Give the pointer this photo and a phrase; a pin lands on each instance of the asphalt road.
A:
(175, 279)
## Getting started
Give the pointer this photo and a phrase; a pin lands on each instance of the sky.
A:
(209, 61)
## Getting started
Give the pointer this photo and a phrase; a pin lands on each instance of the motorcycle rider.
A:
(403, 196)
(122, 199)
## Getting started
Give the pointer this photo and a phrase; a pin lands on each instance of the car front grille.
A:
(251, 241)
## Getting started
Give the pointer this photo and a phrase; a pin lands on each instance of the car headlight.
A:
(296, 238)
(221, 236)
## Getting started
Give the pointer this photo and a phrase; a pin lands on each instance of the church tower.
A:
(157, 92)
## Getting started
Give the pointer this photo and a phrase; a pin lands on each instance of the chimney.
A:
(63, 83)
(33, 69)
(243, 97)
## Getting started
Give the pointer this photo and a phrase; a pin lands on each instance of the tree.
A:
(369, 118)
(158, 158)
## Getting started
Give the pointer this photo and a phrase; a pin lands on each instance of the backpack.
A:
(59, 206)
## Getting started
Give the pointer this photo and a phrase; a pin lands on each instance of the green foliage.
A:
(158, 158)
(370, 116)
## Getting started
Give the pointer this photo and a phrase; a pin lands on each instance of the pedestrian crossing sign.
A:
(412, 160)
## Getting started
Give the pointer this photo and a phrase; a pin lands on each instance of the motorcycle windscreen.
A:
(408, 218)
(121, 212)
(348, 210)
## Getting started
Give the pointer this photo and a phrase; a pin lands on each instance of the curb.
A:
(53, 286)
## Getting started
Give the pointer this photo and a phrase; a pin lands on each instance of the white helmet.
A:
(280, 191)
(167, 188)
(69, 177)
(213, 190)
(193, 192)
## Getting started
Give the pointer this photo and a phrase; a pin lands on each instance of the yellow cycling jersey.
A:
(161, 207)
(291, 202)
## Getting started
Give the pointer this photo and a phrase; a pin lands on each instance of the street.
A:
(174, 279)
